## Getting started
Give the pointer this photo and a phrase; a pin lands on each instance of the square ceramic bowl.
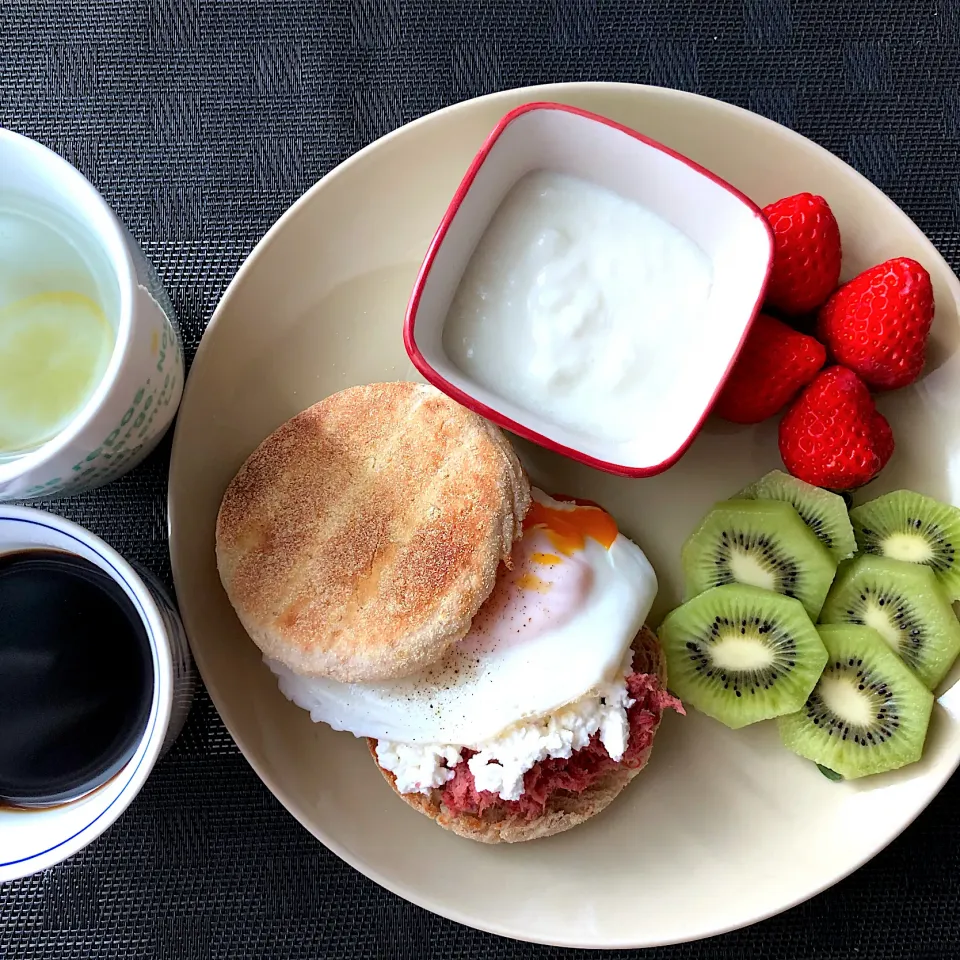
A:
(727, 227)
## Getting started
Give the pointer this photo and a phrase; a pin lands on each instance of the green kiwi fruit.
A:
(761, 543)
(868, 712)
(823, 512)
(911, 527)
(741, 654)
(905, 604)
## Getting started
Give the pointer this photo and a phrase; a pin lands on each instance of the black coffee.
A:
(76, 677)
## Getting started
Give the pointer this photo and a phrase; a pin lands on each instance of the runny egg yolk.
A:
(568, 528)
(530, 581)
(552, 573)
(545, 559)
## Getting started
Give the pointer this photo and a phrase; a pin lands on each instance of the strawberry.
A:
(878, 323)
(806, 253)
(882, 438)
(774, 363)
(832, 435)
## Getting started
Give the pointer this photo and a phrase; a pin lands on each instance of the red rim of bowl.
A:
(520, 429)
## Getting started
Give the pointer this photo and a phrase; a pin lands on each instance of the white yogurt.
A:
(578, 305)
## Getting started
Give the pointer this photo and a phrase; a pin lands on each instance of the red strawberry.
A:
(806, 253)
(883, 438)
(832, 436)
(878, 323)
(774, 363)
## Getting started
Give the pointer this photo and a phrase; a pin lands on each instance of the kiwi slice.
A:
(823, 512)
(741, 654)
(905, 604)
(868, 713)
(761, 543)
(911, 527)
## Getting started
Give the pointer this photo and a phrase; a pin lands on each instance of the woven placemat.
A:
(201, 122)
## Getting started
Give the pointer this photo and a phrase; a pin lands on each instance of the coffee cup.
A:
(66, 259)
(36, 836)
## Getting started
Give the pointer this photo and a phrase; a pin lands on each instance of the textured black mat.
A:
(201, 122)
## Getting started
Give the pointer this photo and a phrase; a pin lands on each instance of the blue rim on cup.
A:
(34, 839)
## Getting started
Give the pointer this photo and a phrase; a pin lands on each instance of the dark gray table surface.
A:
(201, 122)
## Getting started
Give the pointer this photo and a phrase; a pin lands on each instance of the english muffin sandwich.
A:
(386, 553)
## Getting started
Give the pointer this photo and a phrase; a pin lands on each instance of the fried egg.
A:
(554, 630)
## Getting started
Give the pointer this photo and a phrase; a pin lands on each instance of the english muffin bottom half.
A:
(563, 809)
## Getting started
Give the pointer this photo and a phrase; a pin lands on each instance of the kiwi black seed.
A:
(868, 712)
(760, 543)
(741, 654)
(825, 513)
(905, 604)
(908, 526)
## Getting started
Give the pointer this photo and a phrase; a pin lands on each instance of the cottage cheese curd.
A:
(563, 306)
(499, 764)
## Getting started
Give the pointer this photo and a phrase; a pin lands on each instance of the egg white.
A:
(549, 636)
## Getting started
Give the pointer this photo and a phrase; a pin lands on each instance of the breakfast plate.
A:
(725, 827)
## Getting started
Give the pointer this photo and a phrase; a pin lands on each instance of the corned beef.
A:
(573, 775)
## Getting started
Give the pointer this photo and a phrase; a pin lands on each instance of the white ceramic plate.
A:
(724, 828)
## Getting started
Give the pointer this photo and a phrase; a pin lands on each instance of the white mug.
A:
(33, 839)
(137, 398)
